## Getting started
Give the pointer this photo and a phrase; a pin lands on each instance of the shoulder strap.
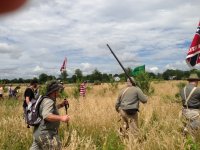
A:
(187, 99)
(124, 92)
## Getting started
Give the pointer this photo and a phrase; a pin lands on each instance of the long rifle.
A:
(70, 130)
(66, 108)
(121, 65)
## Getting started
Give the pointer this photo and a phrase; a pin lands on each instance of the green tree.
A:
(64, 76)
(73, 78)
(43, 78)
(79, 74)
(105, 77)
(96, 75)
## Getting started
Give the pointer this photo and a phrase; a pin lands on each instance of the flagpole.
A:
(121, 65)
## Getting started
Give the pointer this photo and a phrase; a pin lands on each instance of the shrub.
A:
(144, 82)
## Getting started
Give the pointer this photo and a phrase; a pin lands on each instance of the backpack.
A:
(31, 112)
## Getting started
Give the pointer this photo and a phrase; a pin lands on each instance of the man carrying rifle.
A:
(45, 135)
(127, 106)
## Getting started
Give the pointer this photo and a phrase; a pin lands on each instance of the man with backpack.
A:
(45, 135)
(190, 95)
(29, 93)
(127, 106)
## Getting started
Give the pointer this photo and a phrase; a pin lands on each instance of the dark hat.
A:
(53, 86)
(33, 81)
(193, 77)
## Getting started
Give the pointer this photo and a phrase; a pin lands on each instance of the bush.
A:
(113, 86)
(144, 82)
(180, 86)
(97, 82)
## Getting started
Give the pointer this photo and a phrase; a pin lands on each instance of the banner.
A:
(193, 56)
(138, 70)
(63, 67)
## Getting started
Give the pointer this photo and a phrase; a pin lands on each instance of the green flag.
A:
(138, 70)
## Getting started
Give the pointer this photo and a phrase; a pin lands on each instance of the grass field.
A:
(94, 122)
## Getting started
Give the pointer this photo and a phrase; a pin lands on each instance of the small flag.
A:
(193, 56)
(138, 70)
(63, 67)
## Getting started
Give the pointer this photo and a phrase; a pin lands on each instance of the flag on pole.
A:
(63, 67)
(193, 55)
(138, 70)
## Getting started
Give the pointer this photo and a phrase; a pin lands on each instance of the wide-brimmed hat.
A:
(193, 77)
(128, 80)
(53, 86)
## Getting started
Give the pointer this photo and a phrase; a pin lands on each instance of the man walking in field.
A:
(45, 135)
(29, 93)
(128, 106)
(1, 91)
(190, 95)
(83, 89)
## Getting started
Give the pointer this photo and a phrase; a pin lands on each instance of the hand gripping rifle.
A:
(121, 65)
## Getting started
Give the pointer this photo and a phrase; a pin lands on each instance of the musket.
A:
(121, 65)
(70, 131)
(66, 108)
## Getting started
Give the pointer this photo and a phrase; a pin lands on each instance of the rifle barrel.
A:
(120, 64)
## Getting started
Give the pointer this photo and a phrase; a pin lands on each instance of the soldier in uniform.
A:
(190, 95)
(128, 106)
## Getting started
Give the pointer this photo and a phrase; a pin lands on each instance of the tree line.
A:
(98, 77)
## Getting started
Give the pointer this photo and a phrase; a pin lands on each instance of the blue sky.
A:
(156, 33)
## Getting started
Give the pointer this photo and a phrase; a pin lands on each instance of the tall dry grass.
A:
(94, 122)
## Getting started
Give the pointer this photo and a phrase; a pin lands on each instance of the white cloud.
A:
(153, 33)
(38, 69)
(87, 67)
(154, 69)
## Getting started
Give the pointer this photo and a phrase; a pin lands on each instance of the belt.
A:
(191, 107)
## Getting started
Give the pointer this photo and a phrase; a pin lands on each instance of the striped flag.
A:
(63, 67)
(193, 56)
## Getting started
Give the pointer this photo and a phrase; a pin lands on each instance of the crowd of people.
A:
(10, 91)
(45, 134)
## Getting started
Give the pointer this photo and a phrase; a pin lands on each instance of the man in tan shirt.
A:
(128, 106)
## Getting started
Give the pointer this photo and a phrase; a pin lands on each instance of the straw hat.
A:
(193, 77)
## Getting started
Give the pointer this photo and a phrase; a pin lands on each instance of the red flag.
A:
(63, 67)
(193, 55)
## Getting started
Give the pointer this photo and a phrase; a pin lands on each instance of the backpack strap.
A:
(187, 98)
(39, 100)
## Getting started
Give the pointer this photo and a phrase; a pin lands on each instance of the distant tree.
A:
(20, 80)
(105, 77)
(43, 78)
(73, 78)
(64, 76)
(152, 75)
(50, 77)
(178, 74)
(14, 80)
(96, 75)
(79, 74)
